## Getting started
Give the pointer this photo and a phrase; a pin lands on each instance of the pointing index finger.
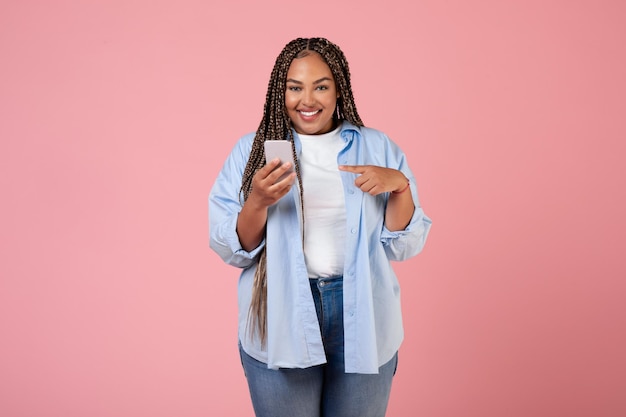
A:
(359, 169)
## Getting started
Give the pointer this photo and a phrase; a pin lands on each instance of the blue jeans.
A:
(324, 390)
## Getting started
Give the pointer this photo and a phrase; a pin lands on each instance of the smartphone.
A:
(280, 149)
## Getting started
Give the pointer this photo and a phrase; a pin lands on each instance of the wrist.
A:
(403, 189)
(254, 203)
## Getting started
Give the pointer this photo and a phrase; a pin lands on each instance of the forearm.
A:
(251, 225)
(400, 208)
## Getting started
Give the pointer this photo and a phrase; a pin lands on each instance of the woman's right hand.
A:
(266, 189)
(265, 192)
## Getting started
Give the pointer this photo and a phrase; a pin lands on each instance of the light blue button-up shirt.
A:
(372, 316)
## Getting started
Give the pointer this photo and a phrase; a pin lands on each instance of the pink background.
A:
(116, 116)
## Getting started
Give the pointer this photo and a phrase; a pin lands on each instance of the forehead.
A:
(311, 66)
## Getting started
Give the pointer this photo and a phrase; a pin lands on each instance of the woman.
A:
(319, 304)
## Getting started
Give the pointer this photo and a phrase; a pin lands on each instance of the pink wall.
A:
(115, 118)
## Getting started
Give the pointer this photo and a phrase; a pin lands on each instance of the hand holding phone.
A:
(280, 149)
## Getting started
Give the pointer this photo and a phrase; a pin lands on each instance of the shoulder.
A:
(237, 158)
(362, 132)
(375, 145)
(246, 140)
(243, 146)
(370, 133)
(368, 137)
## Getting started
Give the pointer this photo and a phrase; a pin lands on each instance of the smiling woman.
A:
(319, 305)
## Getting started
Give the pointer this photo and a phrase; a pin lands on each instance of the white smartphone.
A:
(280, 149)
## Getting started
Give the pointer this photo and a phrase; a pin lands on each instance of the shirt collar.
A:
(348, 132)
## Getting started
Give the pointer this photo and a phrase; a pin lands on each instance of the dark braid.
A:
(277, 125)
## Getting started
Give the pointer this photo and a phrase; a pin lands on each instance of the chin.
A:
(318, 130)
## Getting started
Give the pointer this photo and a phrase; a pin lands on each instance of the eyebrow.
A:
(291, 80)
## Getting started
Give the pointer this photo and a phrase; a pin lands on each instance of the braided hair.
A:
(277, 125)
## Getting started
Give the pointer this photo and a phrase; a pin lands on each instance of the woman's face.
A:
(310, 95)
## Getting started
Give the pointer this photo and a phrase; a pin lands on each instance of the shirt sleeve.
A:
(403, 244)
(225, 204)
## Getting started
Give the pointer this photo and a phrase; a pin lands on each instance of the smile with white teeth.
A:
(309, 113)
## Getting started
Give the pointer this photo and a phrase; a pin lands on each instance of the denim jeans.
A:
(324, 390)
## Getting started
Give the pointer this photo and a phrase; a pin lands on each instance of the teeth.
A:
(309, 113)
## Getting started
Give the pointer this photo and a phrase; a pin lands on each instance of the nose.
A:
(307, 98)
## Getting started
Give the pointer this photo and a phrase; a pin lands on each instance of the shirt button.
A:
(353, 230)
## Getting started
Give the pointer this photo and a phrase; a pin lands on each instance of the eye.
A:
(293, 88)
(322, 87)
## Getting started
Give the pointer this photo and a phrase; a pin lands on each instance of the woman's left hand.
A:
(376, 180)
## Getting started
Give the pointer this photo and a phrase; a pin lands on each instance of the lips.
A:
(308, 113)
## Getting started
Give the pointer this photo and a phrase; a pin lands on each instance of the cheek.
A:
(290, 107)
(332, 98)
(290, 102)
(331, 103)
